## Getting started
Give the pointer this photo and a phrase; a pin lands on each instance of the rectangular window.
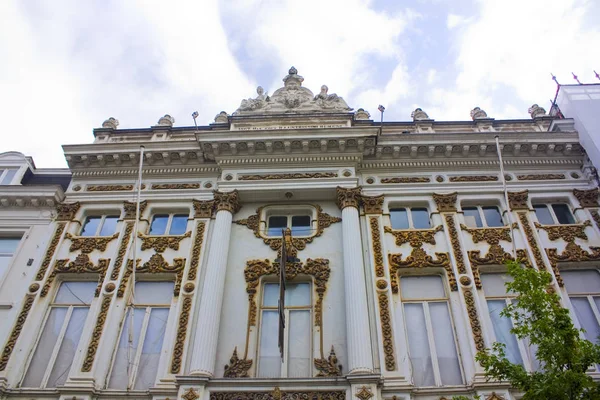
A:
(482, 217)
(7, 175)
(431, 342)
(407, 218)
(55, 351)
(298, 331)
(301, 225)
(135, 364)
(174, 224)
(8, 247)
(583, 288)
(553, 214)
(101, 225)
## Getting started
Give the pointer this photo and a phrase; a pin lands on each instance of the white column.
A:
(358, 336)
(209, 312)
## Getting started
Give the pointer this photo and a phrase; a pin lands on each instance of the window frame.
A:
(289, 212)
(409, 216)
(429, 328)
(170, 215)
(9, 234)
(484, 223)
(588, 296)
(4, 174)
(100, 224)
(283, 371)
(550, 208)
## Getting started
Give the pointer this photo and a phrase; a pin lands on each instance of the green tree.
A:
(563, 354)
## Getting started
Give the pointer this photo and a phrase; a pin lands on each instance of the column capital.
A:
(373, 204)
(228, 201)
(347, 197)
(587, 198)
(518, 200)
(66, 211)
(203, 209)
(445, 202)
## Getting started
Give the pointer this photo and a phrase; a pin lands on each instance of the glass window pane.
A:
(91, 226)
(76, 293)
(178, 224)
(4, 263)
(110, 225)
(472, 217)
(149, 292)
(276, 224)
(418, 345)
(445, 346)
(420, 218)
(586, 318)
(502, 327)
(399, 218)
(494, 284)
(8, 245)
(301, 225)
(585, 281)
(124, 356)
(159, 224)
(269, 358)
(271, 294)
(543, 214)
(563, 214)
(492, 216)
(297, 294)
(68, 347)
(155, 334)
(45, 347)
(10, 174)
(422, 287)
(299, 344)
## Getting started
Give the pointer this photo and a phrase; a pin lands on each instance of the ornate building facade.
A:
(399, 232)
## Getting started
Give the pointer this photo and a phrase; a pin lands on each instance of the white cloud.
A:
(453, 20)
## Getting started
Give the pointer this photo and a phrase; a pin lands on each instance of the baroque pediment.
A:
(292, 98)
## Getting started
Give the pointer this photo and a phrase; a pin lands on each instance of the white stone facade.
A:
(300, 156)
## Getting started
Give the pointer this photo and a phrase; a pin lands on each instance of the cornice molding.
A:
(31, 197)
(445, 163)
(78, 173)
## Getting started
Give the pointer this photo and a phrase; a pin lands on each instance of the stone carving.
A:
(110, 123)
(377, 250)
(455, 241)
(419, 115)
(60, 227)
(81, 264)
(407, 179)
(166, 120)
(129, 208)
(489, 235)
(474, 178)
(292, 97)
(175, 186)
(364, 393)
(222, 118)
(518, 200)
(191, 394)
(307, 175)
(445, 202)
(16, 332)
(572, 253)
(278, 394)
(494, 396)
(67, 211)
(537, 254)
(416, 238)
(373, 204)
(203, 209)
(237, 368)
(155, 265)
(329, 366)
(536, 111)
(540, 177)
(122, 250)
(418, 258)
(386, 330)
(108, 188)
(228, 201)
(568, 233)
(87, 244)
(88, 362)
(196, 249)
(184, 317)
(587, 198)
(361, 114)
(161, 243)
(474, 319)
(495, 256)
(465, 280)
(478, 113)
(348, 197)
(596, 217)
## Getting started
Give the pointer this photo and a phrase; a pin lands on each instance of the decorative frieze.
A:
(572, 253)
(157, 264)
(474, 178)
(108, 188)
(88, 362)
(386, 331)
(540, 177)
(348, 197)
(373, 204)
(416, 238)
(122, 250)
(81, 265)
(196, 250)
(568, 233)
(228, 201)
(445, 202)
(182, 328)
(175, 186)
(66, 211)
(203, 209)
(495, 256)
(518, 200)
(329, 366)
(418, 258)
(237, 368)
(130, 206)
(305, 175)
(161, 243)
(407, 179)
(87, 244)
(587, 198)
(377, 250)
(14, 334)
(278, 394)
(60, 227)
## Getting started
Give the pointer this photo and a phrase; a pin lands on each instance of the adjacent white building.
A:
(398, 237)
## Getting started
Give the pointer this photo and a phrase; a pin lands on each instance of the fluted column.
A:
(211, 300)
(358, 335)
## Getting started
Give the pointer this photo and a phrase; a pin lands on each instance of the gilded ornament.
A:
(439, 178)
(377, 250)
(489, 235)
(237, 368)
(60, 227)
(109, 287)
(445, 202)
(189, 287)
(108, 188)
(66, 211)
(407, 179)
(474, 178)
(308, 175)
(587, 198)
(537, 254)
(456, 247)
(184, 317)
(518, 200)
(596, 217)
(329, 366)
(495, 256)
(572, 253)
(196, 250)
(381, 284)
(494, 396)
(465, 280)
(348, 197)
(540, 177)
(568, 233)
(364, 393)
(122, 250)
(155, 265)
(87, 244)
(228, 201)
(175, 186)
(386, 330)
(415, 237)
(82, 264)
(278, 394)
(34, 287)
(130, 206)
(95, 338)
(474, 320)
(373, 204)
(191, 394)
(203, 209)
(14, 334)
(418, 258)
(161, 243)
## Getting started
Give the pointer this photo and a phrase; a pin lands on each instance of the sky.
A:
(66, 66)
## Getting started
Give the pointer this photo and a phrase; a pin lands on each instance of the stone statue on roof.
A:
(478, 113)
(256, 103)
(536, 111)
(419, 115)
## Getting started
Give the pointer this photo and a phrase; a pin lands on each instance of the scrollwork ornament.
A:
(307, 175)
(418, 258)
(278, 394)
(182, 327)
(81, 264)
(95, 338)
(416, 238)
(373, 204)
(203, 209)
(60, 227)
(237, 368)
(161, 243)
(66, 211)
(88, 244)
(196, 250)
(474, 178)
(568, 233)
(407, 179)
(474, 320)
(348, 197)
(587, 198)
(386, 330)
(16, 332)
(445, 202)
(122, 250)
(175, 186)
(329, 366)
(377, 250)
(155, 265)
(227, 201)
(129, 208)
(455, 241)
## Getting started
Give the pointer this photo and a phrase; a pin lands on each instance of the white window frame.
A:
(100, 224)
(289, 212)
(4, 173)
(482, 215)
(286, 335)
(429, 327)
(10, 256)
(409, 216)
(169, 222)
(551, 209)
(589, 296)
